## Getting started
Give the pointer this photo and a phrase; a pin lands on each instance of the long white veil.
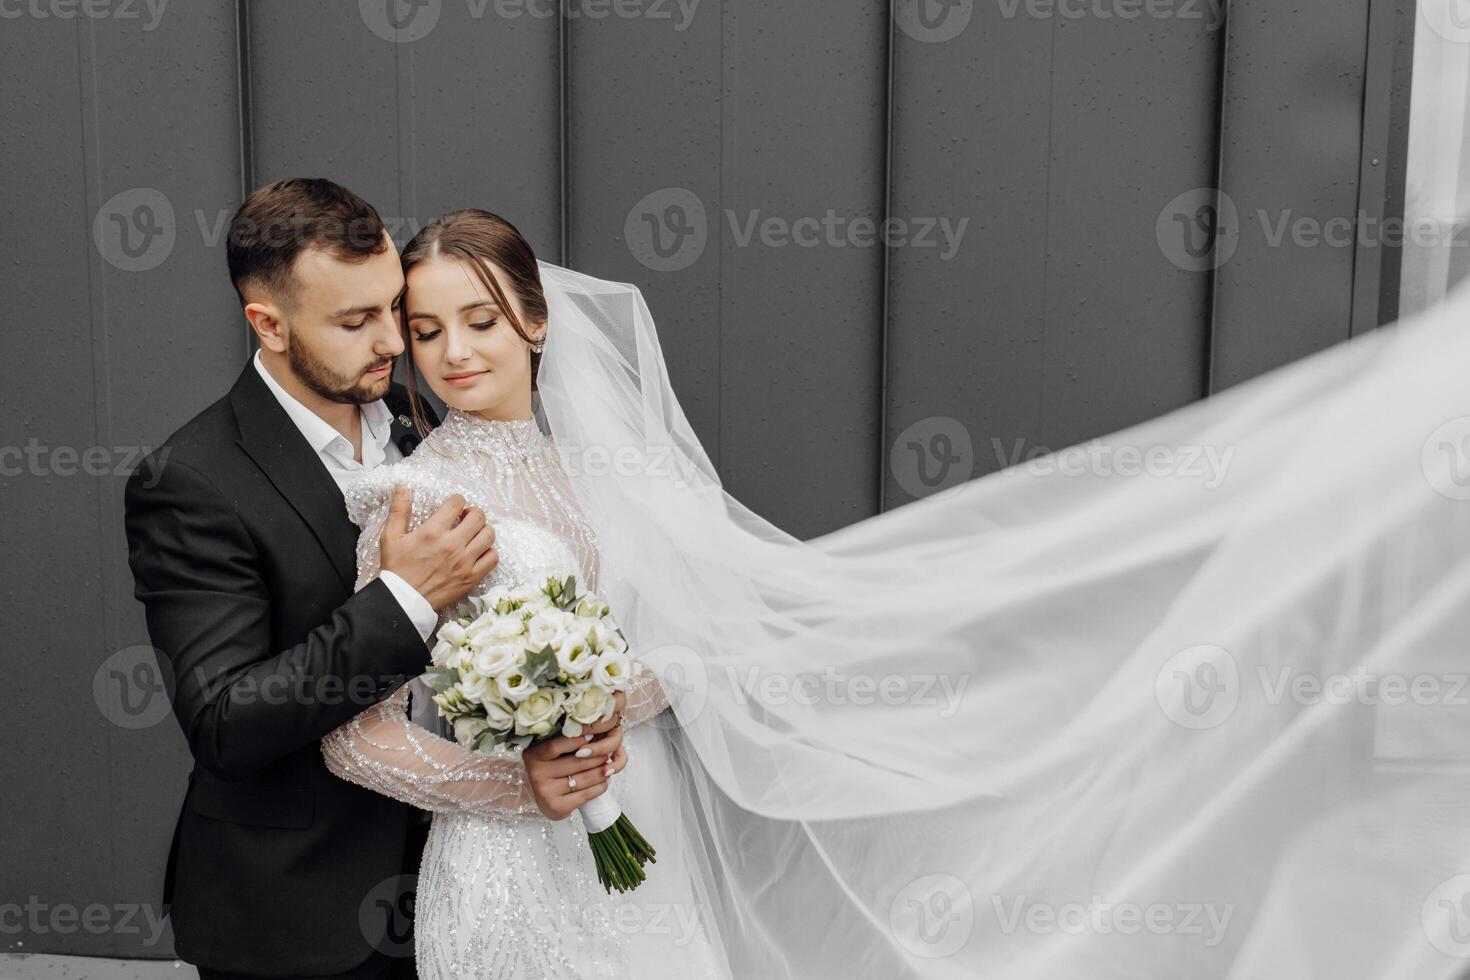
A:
(1147, 719)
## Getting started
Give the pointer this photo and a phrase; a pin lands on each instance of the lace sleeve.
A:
(646, 697)
(382, 750)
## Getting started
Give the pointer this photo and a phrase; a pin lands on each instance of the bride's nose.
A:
(456, 349)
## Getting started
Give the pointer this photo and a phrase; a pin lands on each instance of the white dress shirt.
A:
(335, 452)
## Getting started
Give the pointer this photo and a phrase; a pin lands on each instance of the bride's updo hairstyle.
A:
(477, 237)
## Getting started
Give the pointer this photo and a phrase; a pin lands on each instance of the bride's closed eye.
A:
(428, 335)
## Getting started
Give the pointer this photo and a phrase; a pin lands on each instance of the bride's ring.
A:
(571, 782)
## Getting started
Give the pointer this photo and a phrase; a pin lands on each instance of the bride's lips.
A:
(464, 379)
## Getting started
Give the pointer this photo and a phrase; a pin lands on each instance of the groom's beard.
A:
(344, 389)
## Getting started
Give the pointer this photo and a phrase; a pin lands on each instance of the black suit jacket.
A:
(244, 558)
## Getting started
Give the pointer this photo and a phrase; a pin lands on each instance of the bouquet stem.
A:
(618, 848)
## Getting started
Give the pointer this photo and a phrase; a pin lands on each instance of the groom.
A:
(244, 557)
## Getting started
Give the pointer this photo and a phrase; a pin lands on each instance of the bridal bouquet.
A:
(516, 666)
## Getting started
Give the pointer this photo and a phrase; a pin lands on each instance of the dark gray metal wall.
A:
(828, 381)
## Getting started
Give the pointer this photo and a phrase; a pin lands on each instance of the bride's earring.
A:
(539, 344)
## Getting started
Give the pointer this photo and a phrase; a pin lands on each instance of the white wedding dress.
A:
(504, 892)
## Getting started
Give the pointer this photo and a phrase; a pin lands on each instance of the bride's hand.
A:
(565, 772)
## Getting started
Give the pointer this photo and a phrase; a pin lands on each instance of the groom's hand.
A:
(446, 556)
(565, 772)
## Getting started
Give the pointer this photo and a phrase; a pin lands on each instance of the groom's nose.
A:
(388, 342)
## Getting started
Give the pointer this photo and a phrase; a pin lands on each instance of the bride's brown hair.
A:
(477, 237)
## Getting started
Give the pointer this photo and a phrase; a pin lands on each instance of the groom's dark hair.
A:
(279, 221)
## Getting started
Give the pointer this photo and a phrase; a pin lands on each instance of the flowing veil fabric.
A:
(1111, 713)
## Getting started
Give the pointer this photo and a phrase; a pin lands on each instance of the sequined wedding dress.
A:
(504, 892)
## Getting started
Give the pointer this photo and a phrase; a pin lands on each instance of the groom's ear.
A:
(267, 326)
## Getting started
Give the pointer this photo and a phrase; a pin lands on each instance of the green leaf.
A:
(440, 679)
(540, 666)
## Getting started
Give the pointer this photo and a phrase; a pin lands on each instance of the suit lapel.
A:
(272, 440)
(402, 432)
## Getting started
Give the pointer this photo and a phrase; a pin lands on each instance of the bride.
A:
(1102, 714)
(507, 886)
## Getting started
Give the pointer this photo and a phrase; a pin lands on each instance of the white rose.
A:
(476, 686)
(498, 659)
(453, 633)
(544, 632)
(442, 652)
(526, 593)
(538, 713)
(468, 728)
(495, 596)
(604, 636)
(574, 655)
(611, 671)
(514, 686)
(498, 714)
(587, 705)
